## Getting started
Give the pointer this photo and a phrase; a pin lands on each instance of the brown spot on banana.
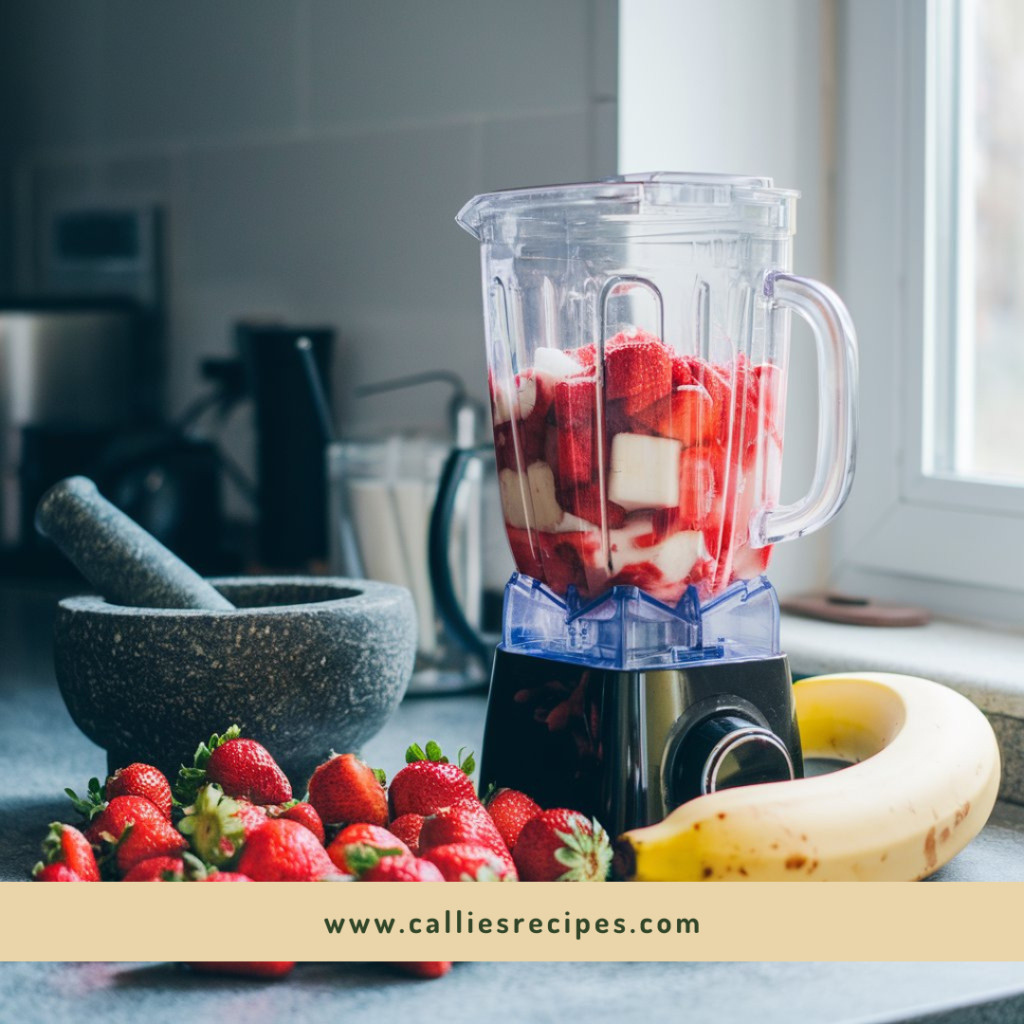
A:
(930, 858)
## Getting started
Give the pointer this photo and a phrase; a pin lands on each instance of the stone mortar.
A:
(303, 664)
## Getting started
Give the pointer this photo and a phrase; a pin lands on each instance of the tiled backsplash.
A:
(311, 157)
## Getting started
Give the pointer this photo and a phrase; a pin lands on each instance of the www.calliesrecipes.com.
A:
(458, 923)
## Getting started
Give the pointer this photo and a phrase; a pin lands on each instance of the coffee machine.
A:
(637, 335)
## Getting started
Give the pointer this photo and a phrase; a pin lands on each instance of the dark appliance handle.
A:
(445, 600)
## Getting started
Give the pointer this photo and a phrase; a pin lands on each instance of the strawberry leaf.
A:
(467, 763)
(92, 803)
(380, 775)
(414, 753)
(434, 753)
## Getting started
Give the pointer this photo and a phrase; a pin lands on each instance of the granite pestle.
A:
(125, 563)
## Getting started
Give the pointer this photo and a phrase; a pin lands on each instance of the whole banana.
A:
(922, 784)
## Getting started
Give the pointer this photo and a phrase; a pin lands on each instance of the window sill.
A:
(987, 666)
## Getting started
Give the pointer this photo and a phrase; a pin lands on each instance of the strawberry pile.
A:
(231, 817)
(640, 469)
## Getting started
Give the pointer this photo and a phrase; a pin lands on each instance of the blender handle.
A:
(445, 600)
(837, 410)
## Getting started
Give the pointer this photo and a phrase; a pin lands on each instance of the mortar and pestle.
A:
(164, 658)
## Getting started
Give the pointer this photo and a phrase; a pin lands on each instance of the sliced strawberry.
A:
(696, 488)
(525, 552)
(586, 503)
(637, 369)
(226, 876)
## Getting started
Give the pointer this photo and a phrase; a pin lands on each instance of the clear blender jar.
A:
(637, 334)
(638, 345)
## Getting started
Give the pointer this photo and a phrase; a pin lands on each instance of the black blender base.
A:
(628, 747)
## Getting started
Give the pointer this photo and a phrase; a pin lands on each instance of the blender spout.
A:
(470, 217)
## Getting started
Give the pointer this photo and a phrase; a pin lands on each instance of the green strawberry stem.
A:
(433, 754)
(92, 803)
(212, 826)
(190, 779)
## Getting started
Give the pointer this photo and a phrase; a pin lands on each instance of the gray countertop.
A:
(41, 751)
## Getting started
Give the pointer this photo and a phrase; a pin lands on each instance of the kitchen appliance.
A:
(68, 376)
(291, 488)
(637, 335)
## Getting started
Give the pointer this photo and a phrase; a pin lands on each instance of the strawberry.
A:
(407, 827)
(241, 767)
(464, 862)
(141, 780)
(225, 876)
(362, 835)
(120, 812)
(463, 822)
(637, 369)
(157, 869)
(304, 814)
(141, 840)
(345, 790)
(428, 782)
(510, 810)
(563, 846)
(245, 768)
(216, 825)
(252, 815)
(383, 867)
(249, 968)
(55, 873)
(284, 851)
(66, 845)
(423, 968)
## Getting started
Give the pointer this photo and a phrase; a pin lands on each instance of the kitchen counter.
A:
(41, 752)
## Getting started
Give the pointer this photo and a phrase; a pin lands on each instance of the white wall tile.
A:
(538, 150)
(195, 69)
(395, 60)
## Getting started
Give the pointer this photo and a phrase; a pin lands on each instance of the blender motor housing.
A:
(638, 343)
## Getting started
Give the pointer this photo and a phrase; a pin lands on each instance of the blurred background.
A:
(242, 173)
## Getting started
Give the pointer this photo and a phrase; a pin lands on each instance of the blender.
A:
(637, 336)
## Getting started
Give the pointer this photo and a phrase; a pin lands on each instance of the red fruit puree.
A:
(646, 474)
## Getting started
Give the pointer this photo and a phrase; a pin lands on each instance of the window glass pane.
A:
(990, 360)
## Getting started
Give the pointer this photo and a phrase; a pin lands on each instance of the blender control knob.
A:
(723, 751)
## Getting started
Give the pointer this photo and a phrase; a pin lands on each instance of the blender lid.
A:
(662, 195)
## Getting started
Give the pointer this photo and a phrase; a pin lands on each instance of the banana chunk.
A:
(923, 783)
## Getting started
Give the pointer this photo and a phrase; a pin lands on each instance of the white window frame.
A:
(953, 545)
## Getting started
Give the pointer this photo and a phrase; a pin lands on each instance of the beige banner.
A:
(520, 921)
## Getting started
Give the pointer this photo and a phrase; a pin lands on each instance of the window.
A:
(931, 261)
